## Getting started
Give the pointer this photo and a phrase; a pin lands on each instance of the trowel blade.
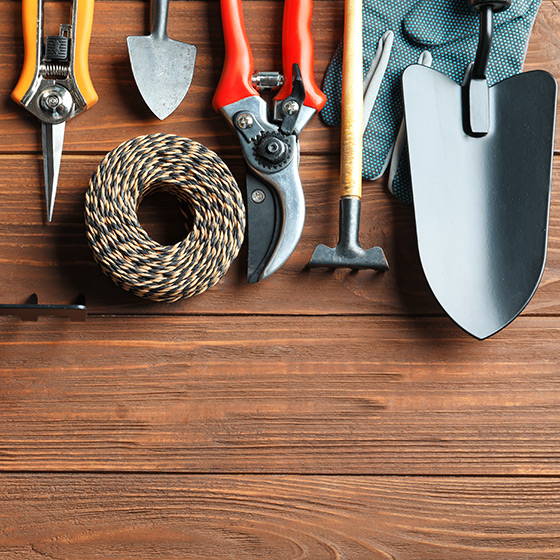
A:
(163, 69)
(481, 204)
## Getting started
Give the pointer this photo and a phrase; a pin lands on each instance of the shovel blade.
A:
(163, 69)
(481, 204)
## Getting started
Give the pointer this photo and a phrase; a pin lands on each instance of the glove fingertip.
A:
(433, 23)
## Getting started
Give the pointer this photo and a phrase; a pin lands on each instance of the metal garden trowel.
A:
(163, 68)
(481, 165)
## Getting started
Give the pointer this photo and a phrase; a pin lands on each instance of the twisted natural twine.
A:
(202, 183)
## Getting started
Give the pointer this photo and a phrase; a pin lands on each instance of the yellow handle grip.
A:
(30, 17)
(352, 102)
(82, 34)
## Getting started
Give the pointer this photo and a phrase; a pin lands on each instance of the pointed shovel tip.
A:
(160, 114)
(481, 334)
(482, 327)
(163, 71)
(158, 109)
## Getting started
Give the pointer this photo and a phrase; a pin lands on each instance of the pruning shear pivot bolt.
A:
(276, 205)
(55, 84)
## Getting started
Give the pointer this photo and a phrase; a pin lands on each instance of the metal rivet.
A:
(258, 196)
(291, 107)
(245, 120)
(53, 101)
(56, 103)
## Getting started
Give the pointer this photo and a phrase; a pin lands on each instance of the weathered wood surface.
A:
(199, 430)
(282, 518)
(353, 395)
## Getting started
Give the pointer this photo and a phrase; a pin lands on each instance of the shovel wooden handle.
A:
(352, 102)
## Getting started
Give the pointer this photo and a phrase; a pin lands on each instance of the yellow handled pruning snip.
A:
(55, 84)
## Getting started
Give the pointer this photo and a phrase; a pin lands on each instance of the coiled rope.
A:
(206, 190)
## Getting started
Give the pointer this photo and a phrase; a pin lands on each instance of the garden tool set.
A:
(480, 139)
(54, 84)
(270, 146)
(467, 139)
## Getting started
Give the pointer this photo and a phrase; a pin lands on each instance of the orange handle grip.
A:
(297, 47)
(82, 35)
(236, 79)
(30, 16)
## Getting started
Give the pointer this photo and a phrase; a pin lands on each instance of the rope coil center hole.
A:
(166, 219)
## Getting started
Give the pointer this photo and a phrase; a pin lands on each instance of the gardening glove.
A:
(445, 31)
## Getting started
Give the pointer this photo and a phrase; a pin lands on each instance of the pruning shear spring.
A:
(55, 84)
(270, 146)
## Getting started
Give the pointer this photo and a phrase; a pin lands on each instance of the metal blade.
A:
(163, 69)
(53, 140)
(287, 191)
(481, 203)
(263, 226)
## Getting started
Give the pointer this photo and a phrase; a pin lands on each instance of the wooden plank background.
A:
(314, 415)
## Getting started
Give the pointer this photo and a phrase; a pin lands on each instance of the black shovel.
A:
(481, 166)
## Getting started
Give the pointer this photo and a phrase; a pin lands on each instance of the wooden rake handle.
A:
(352, 102)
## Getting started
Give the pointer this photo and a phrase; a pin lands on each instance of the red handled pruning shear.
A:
(54, 84)
(276, 205)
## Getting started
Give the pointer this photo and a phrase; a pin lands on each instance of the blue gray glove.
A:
(448, 30)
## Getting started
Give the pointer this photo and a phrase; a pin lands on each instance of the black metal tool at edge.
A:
(32, 310)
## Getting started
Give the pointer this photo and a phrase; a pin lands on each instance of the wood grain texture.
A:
(55, 261)
(316, 415)
(121, 114)
(350, 395)
(280, 518)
